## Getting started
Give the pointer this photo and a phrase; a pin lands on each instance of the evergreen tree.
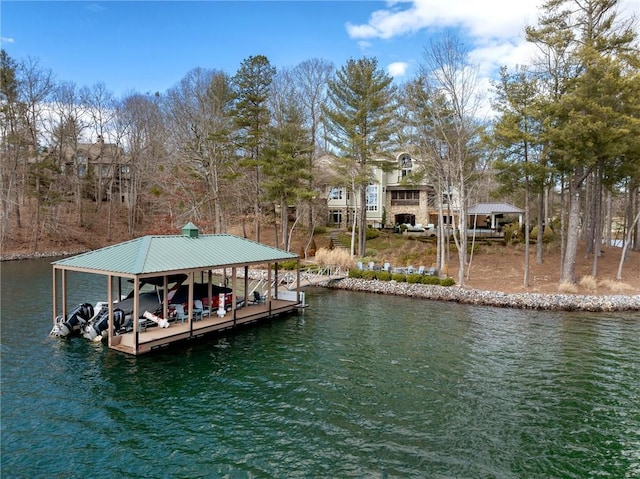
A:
(518, 144)
(286, 166)
(583, 130)
(359, 118)
(252, 83)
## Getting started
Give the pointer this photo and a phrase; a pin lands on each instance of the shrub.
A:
(384, 276)
(399, 277)
(548, 234)
(312, 248)
(511, 233)
(288, 265)
(414, 278)
(368, 274)
(447, 282)
(319, 230)
(355, 273)
(372, 233)
(430, 280)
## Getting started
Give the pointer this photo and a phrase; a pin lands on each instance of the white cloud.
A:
(94, 7)
(488, 18)
(397, 69)
(492, 29)
(7, 40)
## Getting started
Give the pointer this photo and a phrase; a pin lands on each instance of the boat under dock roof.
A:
(190, 255)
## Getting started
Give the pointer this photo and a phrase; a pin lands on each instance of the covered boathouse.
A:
(181, 265)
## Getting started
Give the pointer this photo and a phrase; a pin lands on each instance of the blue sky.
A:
(149, 46)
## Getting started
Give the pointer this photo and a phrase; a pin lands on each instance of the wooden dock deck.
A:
(154, 337)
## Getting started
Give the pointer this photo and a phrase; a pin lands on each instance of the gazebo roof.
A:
(149, 255)
(493, 209)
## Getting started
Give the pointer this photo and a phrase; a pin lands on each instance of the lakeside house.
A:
(399, 193)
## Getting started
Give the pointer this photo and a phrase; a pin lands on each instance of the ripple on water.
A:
(361, 386)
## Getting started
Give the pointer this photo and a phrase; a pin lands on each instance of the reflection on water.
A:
(359, 386)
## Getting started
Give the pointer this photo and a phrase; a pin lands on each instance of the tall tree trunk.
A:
(627, 241)
(362, 229)
(563, 220)
(36, 226)
(527, 206)
(256, 205)
(597, 219)
(568, 273)
(275, 225)
(542, 223)
(588, 226)
(608, 220)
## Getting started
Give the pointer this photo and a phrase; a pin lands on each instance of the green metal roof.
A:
(158, 254)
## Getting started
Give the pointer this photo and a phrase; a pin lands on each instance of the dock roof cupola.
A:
(190, 230)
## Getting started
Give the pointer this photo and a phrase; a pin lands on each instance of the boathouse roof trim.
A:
(493, 208)
(160, 254)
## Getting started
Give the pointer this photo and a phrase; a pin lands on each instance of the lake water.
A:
(359, 385)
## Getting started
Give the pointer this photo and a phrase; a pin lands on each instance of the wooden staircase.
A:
(334, 237)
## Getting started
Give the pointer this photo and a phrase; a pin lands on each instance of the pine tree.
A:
(252, 84)
(360, 117)
(585, 127)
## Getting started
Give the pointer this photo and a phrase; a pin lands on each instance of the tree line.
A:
(242, 149)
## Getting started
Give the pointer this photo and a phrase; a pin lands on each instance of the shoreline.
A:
(19, 256)
(536, 301)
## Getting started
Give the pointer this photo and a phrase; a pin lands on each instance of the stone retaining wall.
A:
(550, 302)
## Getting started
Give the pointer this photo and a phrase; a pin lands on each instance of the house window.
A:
(81, 162)
(372, 198)
(406, 164)
(405, 197)
(335, 217)
(335, 193)
(431, 199)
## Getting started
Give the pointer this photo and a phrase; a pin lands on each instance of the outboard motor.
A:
(98, 326)
(76, 319)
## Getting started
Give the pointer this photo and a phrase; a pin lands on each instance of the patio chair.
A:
(180, 314)
(258, 298)
(198, 309)
(410, 269)
(421, 270)
(386, 267)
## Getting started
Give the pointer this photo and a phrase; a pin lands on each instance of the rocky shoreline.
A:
(548, 302)
(17, 256)
(540, 301)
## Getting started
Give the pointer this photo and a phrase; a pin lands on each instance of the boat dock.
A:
(171, 291)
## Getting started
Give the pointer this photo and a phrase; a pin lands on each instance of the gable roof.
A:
(493, 208)
(160, 254)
